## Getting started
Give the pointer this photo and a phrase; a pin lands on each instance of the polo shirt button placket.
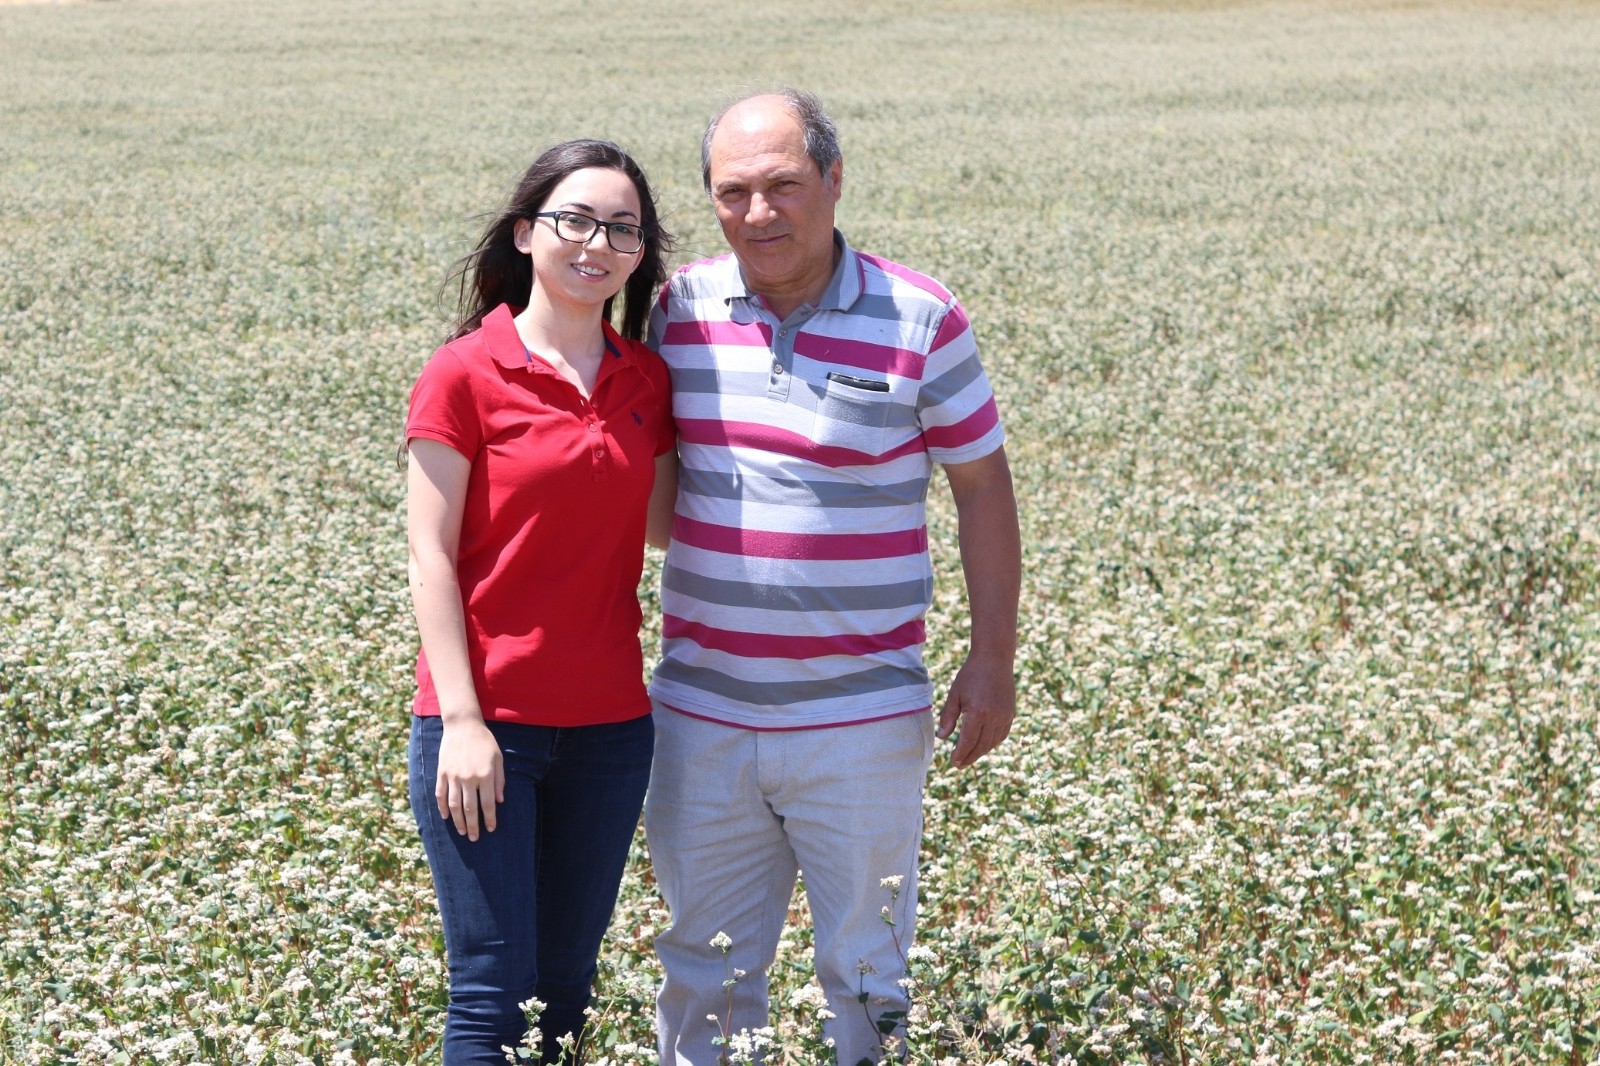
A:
(599, 452)
(777, 385)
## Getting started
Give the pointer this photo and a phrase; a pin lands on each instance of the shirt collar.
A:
(505, 343)
(844, 288)
(506, 347)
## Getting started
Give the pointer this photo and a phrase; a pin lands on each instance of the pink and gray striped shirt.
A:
(798, 577)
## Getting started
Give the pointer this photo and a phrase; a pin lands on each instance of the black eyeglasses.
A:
(624, 237)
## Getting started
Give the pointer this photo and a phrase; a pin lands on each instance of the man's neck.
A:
(787, 300)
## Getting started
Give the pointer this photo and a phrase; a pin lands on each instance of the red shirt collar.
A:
(506, 347)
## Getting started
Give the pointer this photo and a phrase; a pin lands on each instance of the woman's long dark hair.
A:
(495, 273)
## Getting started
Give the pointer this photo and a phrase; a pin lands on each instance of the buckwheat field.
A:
(1294, 317)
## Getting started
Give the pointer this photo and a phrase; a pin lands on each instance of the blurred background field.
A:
(1294, 314)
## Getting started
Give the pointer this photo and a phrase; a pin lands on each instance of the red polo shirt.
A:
(552, 537)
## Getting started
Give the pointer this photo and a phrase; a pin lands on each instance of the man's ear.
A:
(836, 178)
(522, 235)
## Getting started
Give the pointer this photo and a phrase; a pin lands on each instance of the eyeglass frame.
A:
(643, 236)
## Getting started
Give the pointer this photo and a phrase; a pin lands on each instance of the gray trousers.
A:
(732, 816)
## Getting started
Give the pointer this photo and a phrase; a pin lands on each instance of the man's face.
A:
(775, 207)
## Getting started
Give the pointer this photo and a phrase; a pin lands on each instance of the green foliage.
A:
(1295, 323)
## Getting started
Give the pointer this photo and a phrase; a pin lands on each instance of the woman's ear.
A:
(522, 235)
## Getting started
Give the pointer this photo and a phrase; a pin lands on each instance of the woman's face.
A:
(583, 273)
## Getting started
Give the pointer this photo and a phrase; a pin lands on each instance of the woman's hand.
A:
(472, 777)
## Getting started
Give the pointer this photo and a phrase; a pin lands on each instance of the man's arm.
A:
(983, 696)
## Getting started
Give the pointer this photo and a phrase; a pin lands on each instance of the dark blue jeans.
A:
(525, 907)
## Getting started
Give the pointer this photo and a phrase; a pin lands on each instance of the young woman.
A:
(536, 438)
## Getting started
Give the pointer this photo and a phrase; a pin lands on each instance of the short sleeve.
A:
(655, 369)
(443, 407)
(668, 438)
(955, 406)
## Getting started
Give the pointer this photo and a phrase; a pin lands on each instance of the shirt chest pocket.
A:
(860, 413)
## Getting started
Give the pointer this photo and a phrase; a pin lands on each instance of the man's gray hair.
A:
(822, 136)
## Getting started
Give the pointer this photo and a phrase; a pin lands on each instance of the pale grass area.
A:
(1293, 314)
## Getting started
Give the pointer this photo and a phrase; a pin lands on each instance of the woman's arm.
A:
(471, 776)
(663, 499)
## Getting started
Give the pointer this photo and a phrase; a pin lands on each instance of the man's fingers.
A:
(967, 752)
(981, 733)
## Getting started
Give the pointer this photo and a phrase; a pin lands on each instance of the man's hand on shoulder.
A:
(982, 701)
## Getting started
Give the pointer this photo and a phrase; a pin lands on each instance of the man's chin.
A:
(763, 248)
(757, 265)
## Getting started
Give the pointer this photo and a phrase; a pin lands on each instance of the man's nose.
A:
(760, 211)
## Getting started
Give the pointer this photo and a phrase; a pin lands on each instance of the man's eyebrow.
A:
(773, 178)
(578, 205)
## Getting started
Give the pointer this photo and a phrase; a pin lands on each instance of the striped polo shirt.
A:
(798, 577)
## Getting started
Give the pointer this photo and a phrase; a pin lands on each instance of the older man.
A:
(814, 388)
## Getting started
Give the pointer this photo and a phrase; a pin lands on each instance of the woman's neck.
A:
(571, 343)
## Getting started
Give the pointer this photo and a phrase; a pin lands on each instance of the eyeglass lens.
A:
(622, 236)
